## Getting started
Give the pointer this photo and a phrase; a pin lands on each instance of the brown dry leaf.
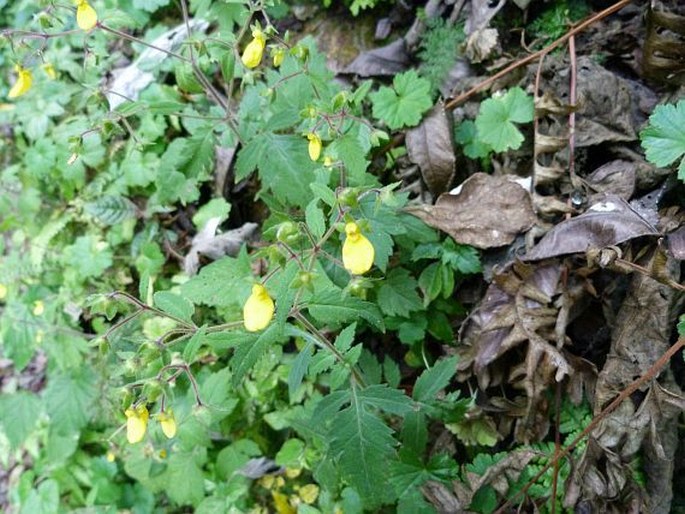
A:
(664, 46)
(676, 244)
(430, 145)
(647, 421)
(615, 177)
(486, 212)
(518, 309)
(606, 223)
(480, 44)
(387, 60)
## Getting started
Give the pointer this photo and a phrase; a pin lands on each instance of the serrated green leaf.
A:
(193, 345)
(435, 379)
(174, 304)
(463, 258)
(397, 295)
(466, 134)
(231, 274)
(380, 396)
(315, 219)
(185, 479)
(332, 307)
(111, 210)
(250, 351)
(664, 137)
(20, 415)
(404, 103)
(323, 193)
(70, 400)
(496, 118)
(299, 368)
(345, 338)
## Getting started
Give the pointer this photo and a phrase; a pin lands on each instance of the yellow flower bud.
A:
(293, 472)
(23, 83)
(357, 252)
(136, 423)
(86, 17)
(49, 70)
(111, 457)
(3, 291)
(38, 308)
(278, 56)
(328, 161)
(258, 310)
(252, 55)
(168, 422)
(314, 146)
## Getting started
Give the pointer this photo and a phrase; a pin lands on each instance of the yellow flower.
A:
(111, 457)
(49, 70)
(258, 310)
(309, 493)
(38, 307)
(252, 55)
(86, 17)
(278, 56)
(23, 83)
(357, 251)
(136, 423)
(3, 291)
(281, 503)
(314, 146)
(168, 422)
(328, 161)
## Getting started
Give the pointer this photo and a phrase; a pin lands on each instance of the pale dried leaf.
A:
(214, 246)
(485, 212)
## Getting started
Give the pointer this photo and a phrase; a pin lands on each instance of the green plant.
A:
(164, 386)
(664, 138)
(494, 128)
(439, 50)
(554, 21)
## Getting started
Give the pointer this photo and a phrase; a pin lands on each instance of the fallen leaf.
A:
(606, 223)
(431, 146)
(485, 212)
(209, 244)
(386, 60)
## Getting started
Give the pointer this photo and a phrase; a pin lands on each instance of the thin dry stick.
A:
(575, 30)
(650, 374)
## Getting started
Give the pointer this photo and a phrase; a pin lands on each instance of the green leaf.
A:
(70, 400)
(174, 304)
(496, 118)
(404, 103)
(664, 137)
(149, 5)
(215, 208)
(185, 479)
(365, 446)
(250, 350)
(430, 282)
(315, 219)
(291, 454)
(466, 134)
(299, 368)
(42, 500)
(392, 401)
(283, 163)
(397, 295)
(435, 379)
(20, 414)
(111, 210)
(463, 258)
(87, 257)
(192, 347)
(414, 434)
(331, 306)
(232, 274)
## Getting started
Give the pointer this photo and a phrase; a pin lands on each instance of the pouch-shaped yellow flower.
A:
(86, 17)
(168, 423)
(258, 310)
(357, 251)
(136, 423)
(252, 55)
(23, 83)
(314, 146)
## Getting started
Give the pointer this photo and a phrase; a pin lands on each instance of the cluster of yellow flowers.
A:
(86, 19)
(288, 504)
(136, 423)
(357, 255)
